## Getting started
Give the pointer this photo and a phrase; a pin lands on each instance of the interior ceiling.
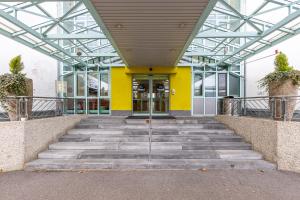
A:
(150, 32)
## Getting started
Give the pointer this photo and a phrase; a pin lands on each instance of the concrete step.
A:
(115, 143)
(154, 145)
(100, 164)
(154, 132)
(172, 121)
(155, 154)
(145, 126)
(145, 138)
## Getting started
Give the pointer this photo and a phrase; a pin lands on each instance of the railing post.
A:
(18, 109)
(272, 102)
(283, 108)
(245, 108)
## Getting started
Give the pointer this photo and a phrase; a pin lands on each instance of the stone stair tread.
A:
(99, 143)
(145, 131)
(99, 164)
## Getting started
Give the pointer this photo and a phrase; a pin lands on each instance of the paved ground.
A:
(144, 185)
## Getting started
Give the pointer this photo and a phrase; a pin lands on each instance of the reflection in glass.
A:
(210, 84)
(104, 85)
(80, 106)
(234, 85)
(69, 79)
(104, 106)
(160, 89)
(92, 84)
(80, 84)
(222, 84)
(93, 106)
(140, 94)
(198, 84)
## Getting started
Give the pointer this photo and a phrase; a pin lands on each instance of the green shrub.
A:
(13, 83)
(283, 71)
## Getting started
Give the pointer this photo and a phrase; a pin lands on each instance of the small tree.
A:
(13, 83)
(283, 72)
(16, 65)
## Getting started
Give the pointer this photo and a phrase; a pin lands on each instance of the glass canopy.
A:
(229, 31)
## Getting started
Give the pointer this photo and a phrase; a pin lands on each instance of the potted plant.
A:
(284, 81)
(15, 83)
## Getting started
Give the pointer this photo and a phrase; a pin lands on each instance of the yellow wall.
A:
(121, 86)
(182, 83)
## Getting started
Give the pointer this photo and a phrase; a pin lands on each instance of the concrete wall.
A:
(278, 141)
(21, 142)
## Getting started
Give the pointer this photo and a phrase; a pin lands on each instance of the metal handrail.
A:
(283, 108)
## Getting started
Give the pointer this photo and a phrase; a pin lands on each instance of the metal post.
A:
(272, 101)
(283, 108)
(26, 108)
(150, 120)
(245, 87)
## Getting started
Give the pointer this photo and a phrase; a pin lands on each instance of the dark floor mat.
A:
(153, 117)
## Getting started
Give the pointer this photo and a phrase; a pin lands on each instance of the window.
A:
(92, 84)
(222, 84)
(69, 79)
(234, 85)
(81, 84)
(198, 84)
(210, 84)
(104, 85)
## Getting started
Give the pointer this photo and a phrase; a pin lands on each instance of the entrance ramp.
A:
(99, 143)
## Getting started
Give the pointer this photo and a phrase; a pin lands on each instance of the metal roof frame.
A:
(223, 32)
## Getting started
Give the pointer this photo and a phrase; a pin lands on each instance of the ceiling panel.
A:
(150, 32)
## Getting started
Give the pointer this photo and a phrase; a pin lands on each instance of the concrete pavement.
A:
(154, 185)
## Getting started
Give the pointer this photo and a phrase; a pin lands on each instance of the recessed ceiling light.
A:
(182, 25)
(119, 26)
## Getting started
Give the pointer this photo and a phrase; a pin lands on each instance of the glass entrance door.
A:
(150, 90)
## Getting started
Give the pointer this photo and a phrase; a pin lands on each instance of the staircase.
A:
(100, 143)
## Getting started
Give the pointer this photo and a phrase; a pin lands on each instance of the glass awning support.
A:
(238, 29)
(56, 28)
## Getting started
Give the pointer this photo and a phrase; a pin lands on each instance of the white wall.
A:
(39, 67)
(258, 69)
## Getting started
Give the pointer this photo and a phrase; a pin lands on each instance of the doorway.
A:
(150, 94)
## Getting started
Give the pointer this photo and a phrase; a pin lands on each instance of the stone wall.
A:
(21, 142)
(278, 141)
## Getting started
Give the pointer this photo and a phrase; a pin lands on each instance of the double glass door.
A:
(150, 94)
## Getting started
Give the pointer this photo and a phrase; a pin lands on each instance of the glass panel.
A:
(234, 85)
(140, 96)
(223, 67)
(198, 106)
(210, 106)
(93, 84)
(199, 69)
(69, 106)
(160, 90)
(198, 84)
(104, 106)
(210, 68)
(80, 106)
(210, 84)
(69, 79)
(93, 106)
(235, 68)
(104, 85)
(80, 84)
(222, 84)
(104, 69)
